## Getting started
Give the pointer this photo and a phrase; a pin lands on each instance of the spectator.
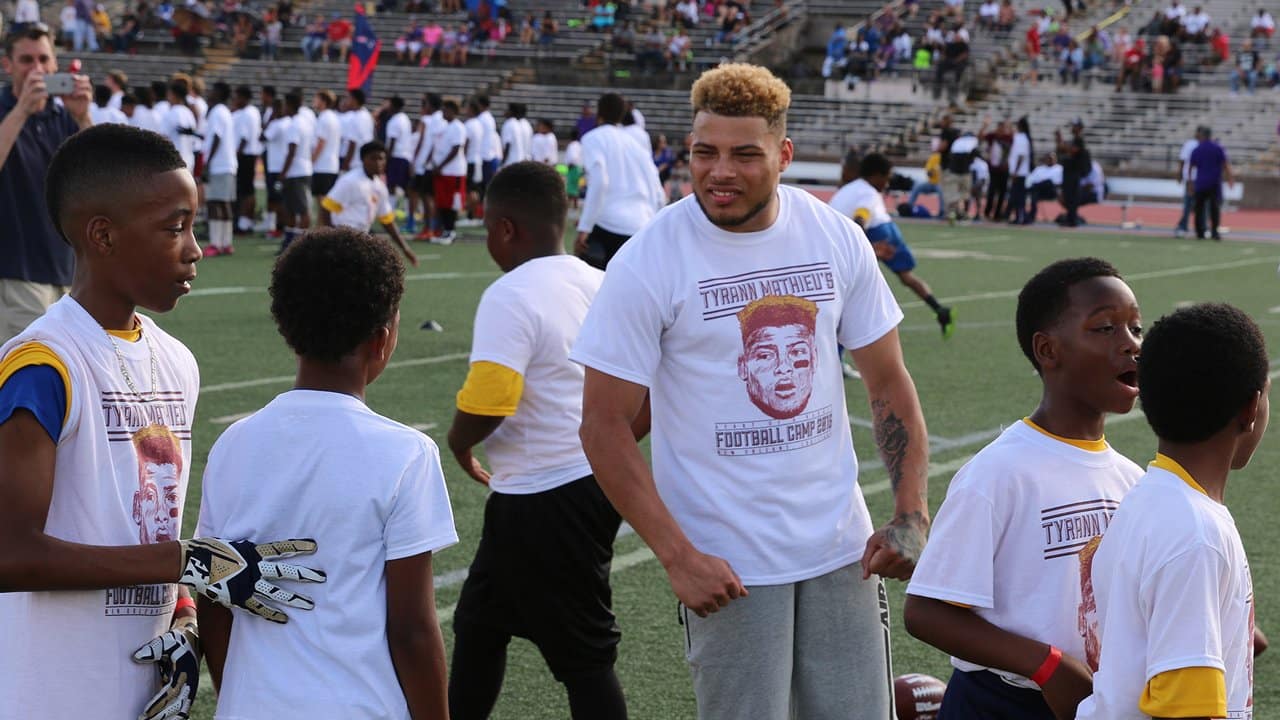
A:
(1120, 44)
(664, 158)
(1031, 48)
(1007, 17)
(955, 59)
(1070, 62)
(902, 46)
(1209, 167)
(1219, 46)
(432, 34)
(101, 24)
(126, 34)
(1172, 64)
(273, 33)
(953, 8)
(26, 13)
(650, 56)
(1131, 68)
(624, 38)
(686, 14)
(1246, 68)
(1195, 26)
(314, 39)
(1020, 154)
(1172, 22)
(338, 35)
(679, 51)
(86, 38)
(998, 142)
(36, 263)
(67, 24)
(409, 44)
(1095, 50)
(548, 31)
(602, 19)
(988, 13)
(1262, 25)
(528, 29)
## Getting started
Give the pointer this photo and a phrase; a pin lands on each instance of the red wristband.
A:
(1047, 667)
(184, 603)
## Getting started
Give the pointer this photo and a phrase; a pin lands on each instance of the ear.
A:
(1045, 349)
(1248, 415)
(97, 233)
(787, 154)
(379, 345)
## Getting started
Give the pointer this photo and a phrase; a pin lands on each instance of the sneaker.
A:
(1179, 232)
(947, 320)
(228, 250)
(275, 234)
(849, 372)
(445, 239)
(211, 251)
(1216, 236)
(425, 236)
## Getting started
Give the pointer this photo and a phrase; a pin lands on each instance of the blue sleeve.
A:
(39, 389)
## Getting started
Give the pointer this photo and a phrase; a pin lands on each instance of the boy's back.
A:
(369, 490)
(1171, 560)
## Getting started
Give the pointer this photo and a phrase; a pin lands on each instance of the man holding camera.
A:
(35, 263)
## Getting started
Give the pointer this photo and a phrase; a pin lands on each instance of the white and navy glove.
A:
(176, 655)
(235, 574)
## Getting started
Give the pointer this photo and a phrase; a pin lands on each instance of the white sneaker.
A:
(445, 239)
(470, 222)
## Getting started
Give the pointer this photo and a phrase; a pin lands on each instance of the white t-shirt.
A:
(328, 129)
(248, 122)
(544, 148)
(161, 110)
(450, 135)
(492, 141)
(980, 171)
(357, 131)
(107, 115)
(300, 132)
(400, 132)
(276, 134)
(527, 321)
(1174, 591)
(858, 195)
(513, 141)
(357, 200)
(144, 118)
(27, 11)
(199, 108)
(624, 189)
(177, 119)
(67, 18)
(291, 470)
(221, 126)
(1052, 173)
(1007, 539)
(573, 153)
(989, 10)
(1263, 20)
(638, 134)
(1196, 22)
(752, 450)
(1184, 156)
(432, 125)
(475, 139)
(1175, 11)
(100, 498)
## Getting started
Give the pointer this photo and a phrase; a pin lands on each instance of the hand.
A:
(580, 244)
(1066, 687)
(892, 551)
(411, 257)
(704, 583)
(472, 467)
(235, 574)
(176, 654)
(34, 95)
(884, 250)
(79, 101)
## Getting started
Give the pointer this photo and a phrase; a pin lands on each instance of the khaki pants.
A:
(21, 302)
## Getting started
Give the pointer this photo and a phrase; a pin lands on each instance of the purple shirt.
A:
(1207, 160)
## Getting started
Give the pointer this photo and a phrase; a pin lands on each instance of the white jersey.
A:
(357, 131)
(400, 133)
(1184, 157)
(1173, 591)
(107, 115)
(287, 471)
(860, 195)
(144, 118)
(432, 126)
(300, 132)
(475, 140)
(328, 129)
(277, 145)
(248, 122)
(357, 200)
(544, 148)
(179, 127)
(492, 141)
(221, 126)
(120, 478)
(638, 134)
(1019, 522)
(735, 335)
(515, 148)
(527, 321)
(624, 190)
(200, 109)
(449, 135)
(573, 153)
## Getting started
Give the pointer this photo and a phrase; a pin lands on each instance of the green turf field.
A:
(970, 387)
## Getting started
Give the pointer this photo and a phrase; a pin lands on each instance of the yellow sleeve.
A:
(933, 167)
(34, 353)
(491, 389)
(330, 204)
(387, 219)
(959, 605)
(1186, 692)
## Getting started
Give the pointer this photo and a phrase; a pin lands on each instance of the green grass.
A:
(975, 382)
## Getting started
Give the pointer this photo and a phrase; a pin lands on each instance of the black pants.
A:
(602, 245)
(1071, 198)
(996, 194)
(982, 695)
(1017, 208)
(1208, 201)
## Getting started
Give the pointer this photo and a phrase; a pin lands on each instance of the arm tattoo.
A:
(906, 534)
(891, 438)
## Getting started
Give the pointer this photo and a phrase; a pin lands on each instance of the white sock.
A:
(219, 233)
(228, 234)
(269, 219)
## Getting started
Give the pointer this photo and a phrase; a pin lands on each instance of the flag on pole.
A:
(363, 58)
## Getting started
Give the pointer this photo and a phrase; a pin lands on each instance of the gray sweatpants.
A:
(816, 649)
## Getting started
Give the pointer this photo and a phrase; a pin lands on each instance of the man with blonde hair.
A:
(752, 504)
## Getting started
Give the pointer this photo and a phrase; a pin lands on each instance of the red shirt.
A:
(339, 30)
(1133, 56)
(1222, 45)
(1033, 40)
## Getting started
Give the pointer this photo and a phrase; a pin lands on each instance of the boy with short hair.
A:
(360, 197)
(370, 489)
(863, 200)
(96, 408)
(1174, 593)
(1002, 584)
(542, 569)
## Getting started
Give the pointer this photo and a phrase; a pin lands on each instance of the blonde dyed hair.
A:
(742, 90)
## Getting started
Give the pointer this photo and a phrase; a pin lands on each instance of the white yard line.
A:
(275, 379)
(245, 289)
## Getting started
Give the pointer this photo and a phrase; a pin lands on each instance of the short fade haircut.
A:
(371, 147)
(244, 92)
(35, 31)
(875, 164)
(123, 156)
(1046, 296)
(532, 192)
(332, 289)
(611, 108)
(358, 95)
(742, 90)
(330, 100)
(433, 100)
(1200, 366)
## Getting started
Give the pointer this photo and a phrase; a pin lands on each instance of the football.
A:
(917, 696)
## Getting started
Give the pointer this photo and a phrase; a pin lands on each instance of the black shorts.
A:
(322, 183)
(542, 573)
(423, 184)
(297, 195)
(983, 695)
(273, 195)
(602, 245)
(248, 165)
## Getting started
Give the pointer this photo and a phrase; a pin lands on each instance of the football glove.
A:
(235, 574)
(176, 655)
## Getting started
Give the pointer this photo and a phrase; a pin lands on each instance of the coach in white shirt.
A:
(623, 189)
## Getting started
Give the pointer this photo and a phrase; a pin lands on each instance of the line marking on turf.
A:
(423, 427)
(963, 241)
(275, 379)
(1153, 275)
(228, 419)
(245, 289)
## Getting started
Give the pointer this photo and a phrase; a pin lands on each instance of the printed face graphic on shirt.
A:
(1087, 617)
(777, 361)
(155, 502)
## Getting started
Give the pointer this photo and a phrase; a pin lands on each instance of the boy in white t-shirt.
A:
(1002, 585)
(1171, 579)
(726, 310)
(360, 197)
(221, 163)
(96, 410)
(370, 489)
(863, 201)
(542, 569)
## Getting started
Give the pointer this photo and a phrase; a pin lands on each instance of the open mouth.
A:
(723, 197)
(1128, 378)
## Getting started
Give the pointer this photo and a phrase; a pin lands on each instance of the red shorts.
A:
(450, 192)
